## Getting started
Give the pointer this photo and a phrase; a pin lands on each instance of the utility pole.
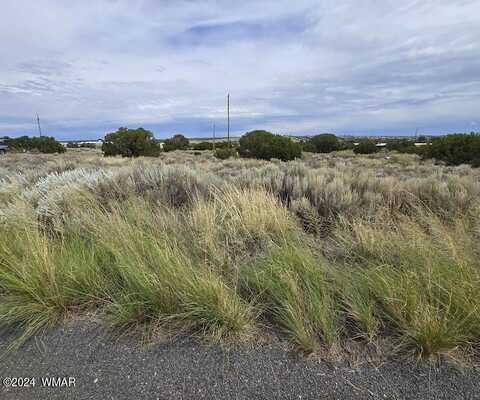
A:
(38, 123)
(228, 118)
(213, 135)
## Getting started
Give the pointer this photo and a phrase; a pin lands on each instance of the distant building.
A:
(376, 144)
(82, 143)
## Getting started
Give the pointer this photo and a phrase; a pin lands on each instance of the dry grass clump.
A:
(328, 249)
(296, 292)
(235, 224)
(159, 283)
(447, 196)
(11, 186)
(56, 196)
(41, 280)
(417, 277)
(128, 268)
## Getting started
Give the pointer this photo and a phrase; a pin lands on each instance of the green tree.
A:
(401, 145)
(325, 143)
(42, 144)
(130, 143)
(265, 145)
(177, 142)
(455, 149)
(365, 146)
(307, 146)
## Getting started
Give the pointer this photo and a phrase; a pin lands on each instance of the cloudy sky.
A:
(293, 67)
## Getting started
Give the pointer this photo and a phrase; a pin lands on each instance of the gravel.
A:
(106, 368)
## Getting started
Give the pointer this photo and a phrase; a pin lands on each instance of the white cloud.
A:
(299, 67)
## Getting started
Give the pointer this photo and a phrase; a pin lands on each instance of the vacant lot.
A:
(337, 253)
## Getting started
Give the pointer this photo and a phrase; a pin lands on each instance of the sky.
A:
(292, 67)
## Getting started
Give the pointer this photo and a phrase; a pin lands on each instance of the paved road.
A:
(119, 369)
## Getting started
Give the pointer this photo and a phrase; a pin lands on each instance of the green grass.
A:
(41, 280)
(320, 251)
(296, 292)
(129, 271)
(420, 280)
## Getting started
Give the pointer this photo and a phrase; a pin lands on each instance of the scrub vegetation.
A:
(328, 250)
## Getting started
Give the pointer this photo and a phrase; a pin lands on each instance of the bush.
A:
(224, 144)
(130, 143)
(177, 142)
(307, 146)
(203, 146)
(455, 149)
(401, 145)
(265, 145)
(365, 147)
(325, 143)
(42, 144)
(224, 153)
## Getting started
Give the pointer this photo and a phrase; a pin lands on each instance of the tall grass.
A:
(296, 292)
(121, 263)
(419, 278)
(237, 224)
(327, 250)
(160, 283)
(41, 280)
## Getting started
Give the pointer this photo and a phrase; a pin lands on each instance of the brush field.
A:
(329, 252)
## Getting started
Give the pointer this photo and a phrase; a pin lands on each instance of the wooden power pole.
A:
(213, 135)
(228, 119)
(38, 124)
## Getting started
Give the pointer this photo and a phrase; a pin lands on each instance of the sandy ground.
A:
(104, 368)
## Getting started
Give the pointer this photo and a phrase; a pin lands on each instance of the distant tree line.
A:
(453, 149)
(327, 143)
(41, 144)
(222, 144)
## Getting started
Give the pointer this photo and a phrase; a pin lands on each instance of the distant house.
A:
(82, 143)
(376, 144)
